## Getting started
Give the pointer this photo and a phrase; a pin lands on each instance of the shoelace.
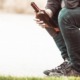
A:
(60, 68)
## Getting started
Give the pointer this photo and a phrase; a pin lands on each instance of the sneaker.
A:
(70, 71)
(66, 70)
(57, 70)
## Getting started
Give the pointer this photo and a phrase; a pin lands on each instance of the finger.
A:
(37, 20)
(42, 25)
(45, 25)
(40, 22)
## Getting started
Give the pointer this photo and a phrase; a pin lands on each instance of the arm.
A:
(42, 15)
(54, 6)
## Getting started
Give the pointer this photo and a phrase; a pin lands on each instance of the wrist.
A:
(49, 12)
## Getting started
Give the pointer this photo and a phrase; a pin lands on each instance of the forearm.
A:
(54, 6)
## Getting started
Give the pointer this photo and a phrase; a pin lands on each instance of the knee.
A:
(64, 17)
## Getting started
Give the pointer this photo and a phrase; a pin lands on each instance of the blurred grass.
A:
(38, 78)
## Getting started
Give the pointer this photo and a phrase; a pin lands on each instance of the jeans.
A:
(59, 42)
(69, 24)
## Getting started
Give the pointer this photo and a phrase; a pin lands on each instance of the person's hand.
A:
(40, 22)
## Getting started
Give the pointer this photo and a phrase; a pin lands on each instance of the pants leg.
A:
(69, 23)
(59, 42)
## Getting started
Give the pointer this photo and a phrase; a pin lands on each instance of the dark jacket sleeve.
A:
(54, 5)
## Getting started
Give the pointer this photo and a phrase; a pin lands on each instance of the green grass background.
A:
(38, 78)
